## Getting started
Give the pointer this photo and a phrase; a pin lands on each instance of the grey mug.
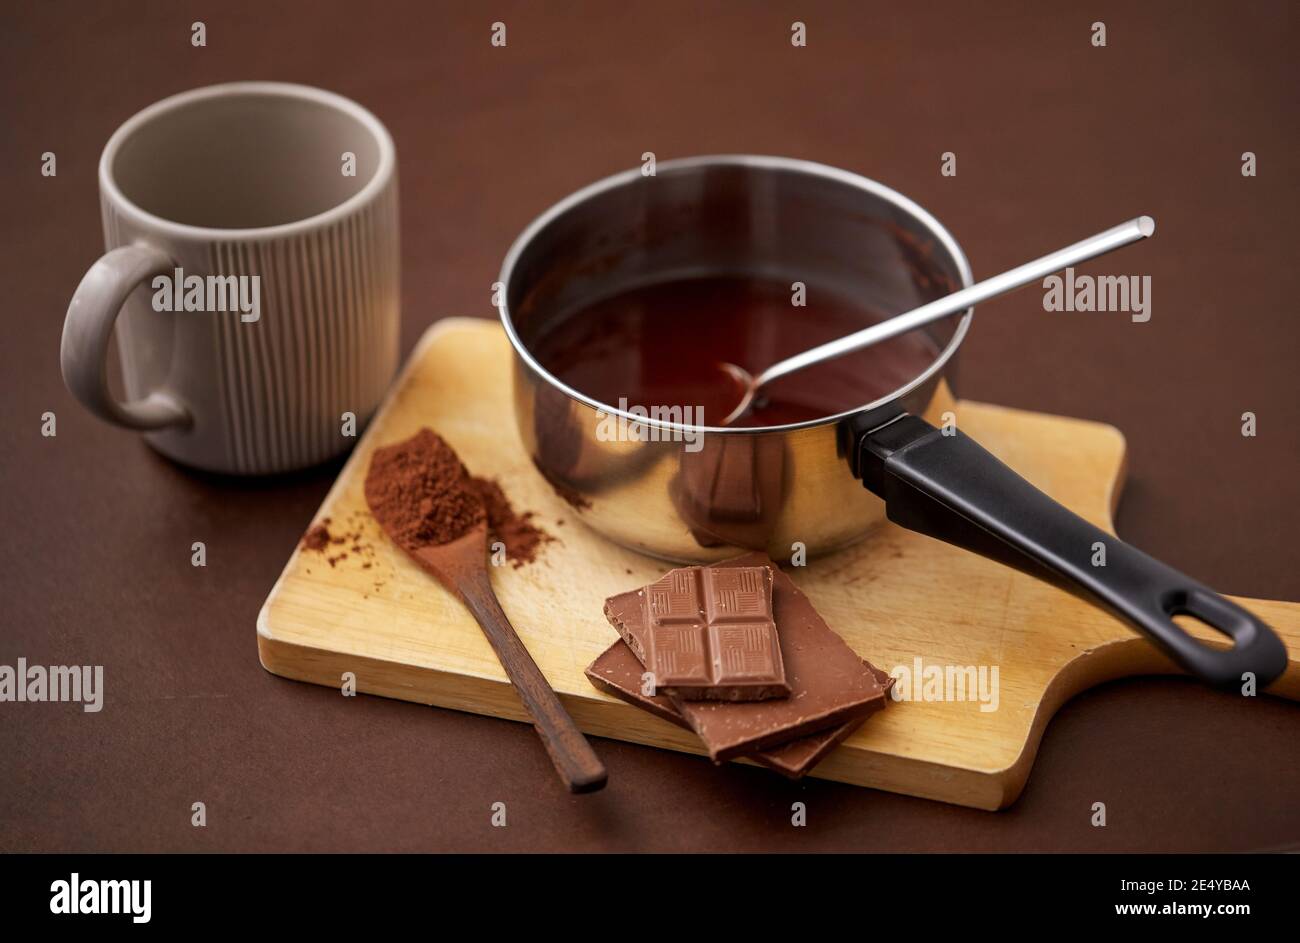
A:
(252, 275)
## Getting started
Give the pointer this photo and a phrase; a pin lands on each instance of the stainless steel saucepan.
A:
(686, 494)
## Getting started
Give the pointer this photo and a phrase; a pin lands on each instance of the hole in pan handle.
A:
(950, 488)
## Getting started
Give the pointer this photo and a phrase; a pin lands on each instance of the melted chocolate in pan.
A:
(661, 346)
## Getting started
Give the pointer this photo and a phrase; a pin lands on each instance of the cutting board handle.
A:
(944, 484)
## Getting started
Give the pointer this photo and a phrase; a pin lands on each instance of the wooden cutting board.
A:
(895, 597)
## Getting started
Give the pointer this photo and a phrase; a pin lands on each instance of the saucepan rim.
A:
(812, 168)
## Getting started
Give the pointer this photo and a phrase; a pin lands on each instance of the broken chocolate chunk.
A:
(829, 684)
(617, 672)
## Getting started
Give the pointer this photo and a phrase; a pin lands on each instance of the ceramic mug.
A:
(252, 272)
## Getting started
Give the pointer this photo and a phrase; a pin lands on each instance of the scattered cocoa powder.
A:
(517, 531)
(318, 537)
(421, 494)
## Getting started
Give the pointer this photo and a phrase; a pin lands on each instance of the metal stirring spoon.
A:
(1093, 246)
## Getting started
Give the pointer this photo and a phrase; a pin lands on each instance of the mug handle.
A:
(89, 326)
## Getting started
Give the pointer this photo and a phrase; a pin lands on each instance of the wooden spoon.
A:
(461, 566)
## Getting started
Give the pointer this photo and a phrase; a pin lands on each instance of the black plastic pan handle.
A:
(949, 487)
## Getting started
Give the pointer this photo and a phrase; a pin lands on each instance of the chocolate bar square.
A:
(710, 635)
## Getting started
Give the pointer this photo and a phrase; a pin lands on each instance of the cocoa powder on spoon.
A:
(421, 494)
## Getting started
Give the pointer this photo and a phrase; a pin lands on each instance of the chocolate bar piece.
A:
(710, 636)
(616, 671)
(829, 684)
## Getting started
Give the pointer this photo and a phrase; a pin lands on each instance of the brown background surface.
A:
(1055, 139)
